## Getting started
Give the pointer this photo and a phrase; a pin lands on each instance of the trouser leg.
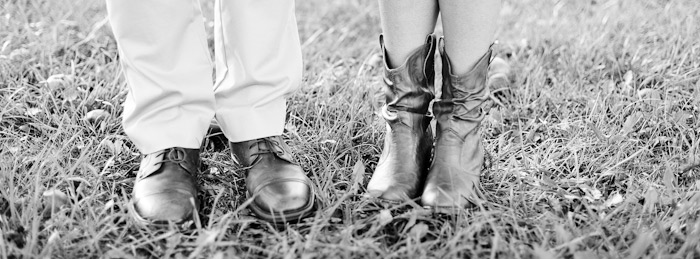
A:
(258, 62)
(163, 52)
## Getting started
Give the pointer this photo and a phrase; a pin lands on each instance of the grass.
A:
(594, 154)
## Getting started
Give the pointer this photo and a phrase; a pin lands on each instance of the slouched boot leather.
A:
(453, 179)
(401, 170)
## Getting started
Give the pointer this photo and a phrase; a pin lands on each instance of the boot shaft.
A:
(463, 95)
(453, 178)
(409, 87)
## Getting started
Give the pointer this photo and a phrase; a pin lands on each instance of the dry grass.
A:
(595, 153)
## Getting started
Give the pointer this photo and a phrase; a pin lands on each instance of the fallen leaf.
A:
(54, 200)
(499, 66)
(650, 96)
(597, 132)
(682, 117)
(108, 206)
(108, 145)
(630, 122)
(5, 45)
(358, 172)
(207, 237)
(118, 146)
(585, 255)
(498, 76)
(70, 94)
(54, 237)
(96, 115)
(375, 60)
(58, 80)
(591, 194)
(384, 217)
(628, 77)
(32, 112)
(25, 128)
(411, 221)
(648, 93)
(495, 116)
(542, 253)
(563, 235)
(614, 199)
(19, 54)
(651, 198)
(328, 141)
(419, 230)
(116, 253)
(669, 178)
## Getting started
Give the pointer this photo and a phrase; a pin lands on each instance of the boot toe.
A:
(391, 194)
(430, 198)
(283, 196)
(165, 206)
(439, 198)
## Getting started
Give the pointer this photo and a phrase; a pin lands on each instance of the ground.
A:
(594, 149)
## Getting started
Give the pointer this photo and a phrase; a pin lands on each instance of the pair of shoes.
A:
(165, 190)
(405, 170)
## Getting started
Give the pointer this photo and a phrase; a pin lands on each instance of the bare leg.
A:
(405, 23)
(468, 26)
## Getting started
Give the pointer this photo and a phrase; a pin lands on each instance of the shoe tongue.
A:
(265, 146)
(149, 165)
(270, 147)
(176, 155)
(179, 156)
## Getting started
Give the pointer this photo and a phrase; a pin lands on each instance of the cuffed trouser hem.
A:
(258, 63)
(247, 123)
(167, 131)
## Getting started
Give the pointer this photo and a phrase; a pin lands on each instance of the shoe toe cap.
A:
(166, 206)
(283, 196)
(392, 194)
(447, 199)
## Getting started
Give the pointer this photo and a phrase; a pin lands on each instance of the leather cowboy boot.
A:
(453, 179)
(404, 161)
(280, 189)
(165, 189)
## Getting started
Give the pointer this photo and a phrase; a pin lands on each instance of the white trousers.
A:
(172, 97)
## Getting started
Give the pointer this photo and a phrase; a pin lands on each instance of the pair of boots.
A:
(166, 189)
(405, 171)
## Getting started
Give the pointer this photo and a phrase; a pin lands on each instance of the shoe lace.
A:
(171, 155)
(175, 155)
(266, 146)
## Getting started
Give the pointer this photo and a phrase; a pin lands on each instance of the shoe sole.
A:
(187, 223)
(385, 203)
(451, 210)
(288, 216)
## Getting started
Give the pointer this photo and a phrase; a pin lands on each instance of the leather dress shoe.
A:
(403, 164)
(165, 189)
(280, 189)
(454, 178)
